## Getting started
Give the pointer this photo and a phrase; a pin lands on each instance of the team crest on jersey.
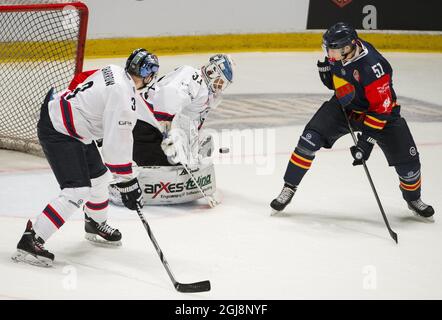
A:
(341, 3)
(356, 75)
(343, 71)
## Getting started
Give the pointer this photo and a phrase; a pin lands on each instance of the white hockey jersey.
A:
(100, 104)
(180, 91)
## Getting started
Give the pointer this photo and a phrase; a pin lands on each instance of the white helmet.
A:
(218, 73)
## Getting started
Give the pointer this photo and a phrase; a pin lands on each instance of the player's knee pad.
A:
(409, 171)
(100, 185)
(310, 142)
(75, 196)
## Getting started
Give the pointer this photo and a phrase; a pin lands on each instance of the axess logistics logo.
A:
(173, 188)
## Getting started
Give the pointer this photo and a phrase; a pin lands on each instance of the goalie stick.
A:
(181, 287)
(210, 200)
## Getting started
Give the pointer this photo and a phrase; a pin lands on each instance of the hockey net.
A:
(41, 46)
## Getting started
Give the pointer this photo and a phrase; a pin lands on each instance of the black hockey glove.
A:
(361, 151)
(325, 74)
(131, 194)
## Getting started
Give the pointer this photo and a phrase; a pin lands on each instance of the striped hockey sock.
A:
(299, 164)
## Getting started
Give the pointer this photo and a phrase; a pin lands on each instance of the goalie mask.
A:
(218, 73)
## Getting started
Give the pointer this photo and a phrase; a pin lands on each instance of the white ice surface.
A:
(330, 243)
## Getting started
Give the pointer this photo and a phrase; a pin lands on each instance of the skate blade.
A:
(275, 212)
(25, 257)
(423, 219)
(96, 239)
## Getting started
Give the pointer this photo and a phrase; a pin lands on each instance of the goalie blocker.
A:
(170, 184)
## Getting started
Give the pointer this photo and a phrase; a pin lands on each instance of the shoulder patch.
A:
(345, 91)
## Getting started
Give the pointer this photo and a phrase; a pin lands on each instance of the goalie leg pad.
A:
(206, 144)
(172, 185)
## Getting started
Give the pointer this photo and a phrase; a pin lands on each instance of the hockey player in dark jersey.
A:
(362, 82)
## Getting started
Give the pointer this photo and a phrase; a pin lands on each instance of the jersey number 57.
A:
(378, 70)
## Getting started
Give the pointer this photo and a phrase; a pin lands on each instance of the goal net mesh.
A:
(41, 46)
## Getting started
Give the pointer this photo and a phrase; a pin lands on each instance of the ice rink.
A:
(330, 243)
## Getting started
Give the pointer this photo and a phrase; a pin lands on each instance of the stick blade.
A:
(394, 236)
(193, 287)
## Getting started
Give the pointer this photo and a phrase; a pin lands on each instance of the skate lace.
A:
(285, 194)
(39, 245)
(419, 204)
(104, 227)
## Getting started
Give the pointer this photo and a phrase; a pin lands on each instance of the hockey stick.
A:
(212, 202)
(181, 287)
(392, 233)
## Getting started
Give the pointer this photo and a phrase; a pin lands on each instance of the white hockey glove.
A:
(181, 143)
(175, 147)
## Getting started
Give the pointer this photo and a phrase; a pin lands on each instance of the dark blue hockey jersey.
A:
(364, 85)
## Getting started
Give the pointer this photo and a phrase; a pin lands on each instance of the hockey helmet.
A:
(339, 36)
(142, 63)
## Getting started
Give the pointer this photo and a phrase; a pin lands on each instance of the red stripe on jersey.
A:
(120, 168)
(149, 106)
(62, 113)
(374, 123)
(68, 119)
(80, 78)
(378, 94)
(161, 116)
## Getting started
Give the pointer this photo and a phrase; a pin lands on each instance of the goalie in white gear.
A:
(180, 102)
(99, 104)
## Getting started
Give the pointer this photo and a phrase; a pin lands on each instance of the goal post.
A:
(41, 46)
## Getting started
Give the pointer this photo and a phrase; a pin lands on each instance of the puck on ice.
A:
(224, 150)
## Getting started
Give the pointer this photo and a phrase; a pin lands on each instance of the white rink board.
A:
(330, 243)
(144, 18)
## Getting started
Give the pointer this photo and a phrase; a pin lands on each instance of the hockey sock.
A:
(96, 207)
(297, 167)
(410, 180)
(59, 210)
(302, 158)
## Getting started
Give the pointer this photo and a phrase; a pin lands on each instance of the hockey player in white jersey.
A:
(180, 102)
(99, 104)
